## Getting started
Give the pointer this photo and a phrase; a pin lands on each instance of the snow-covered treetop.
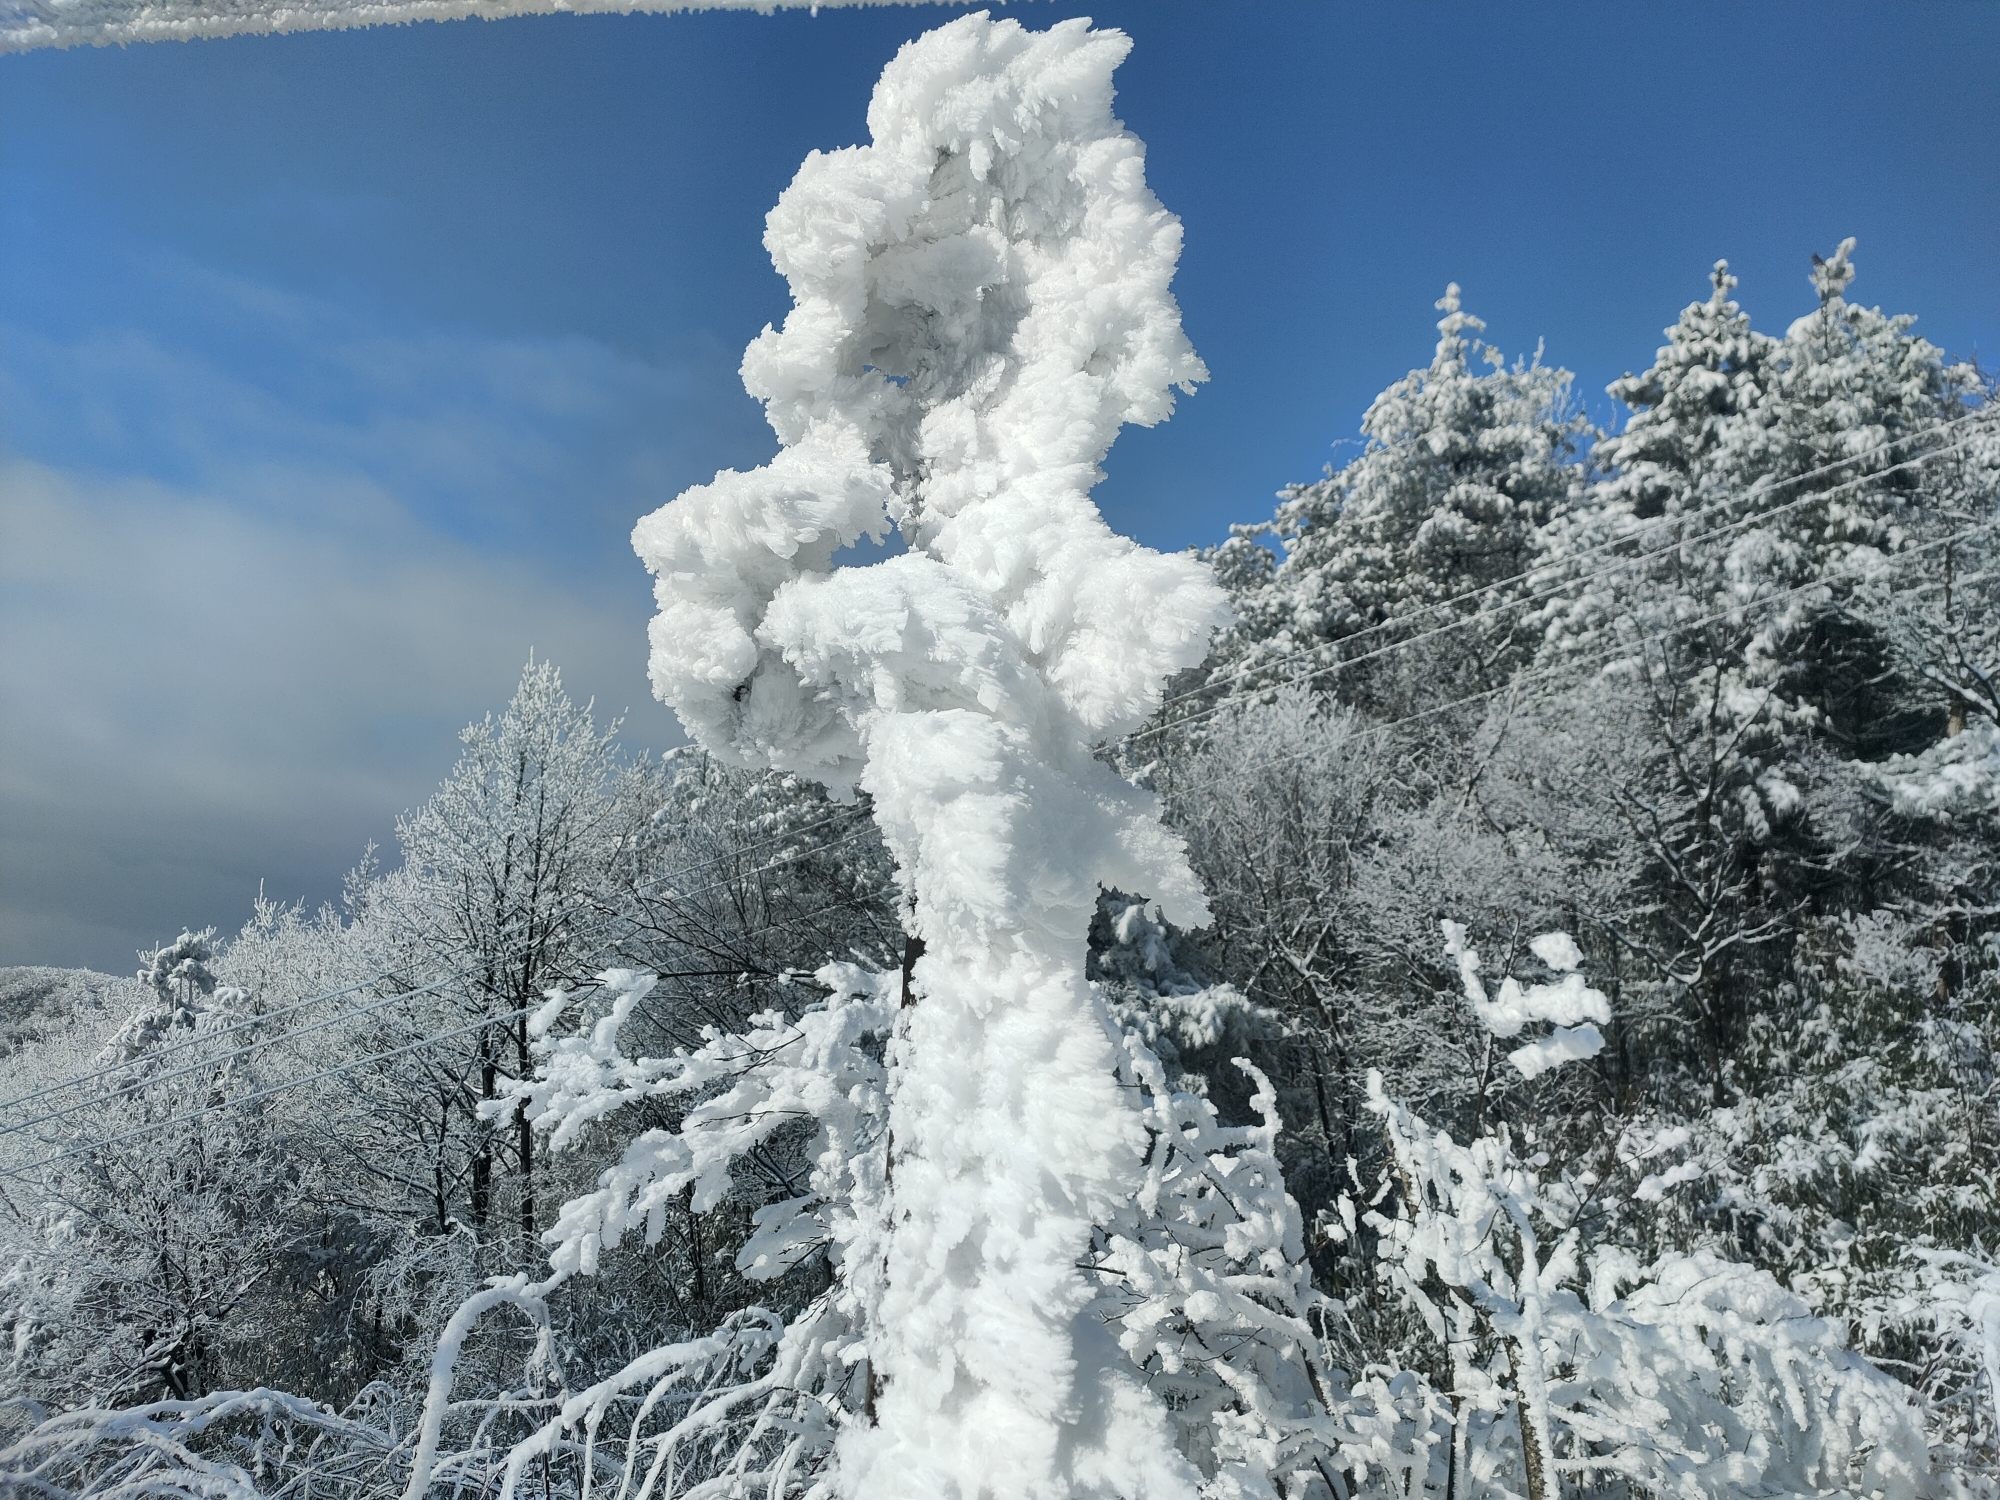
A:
(981, 302)
(1698, 397)
(179, 970)
(1464, 463)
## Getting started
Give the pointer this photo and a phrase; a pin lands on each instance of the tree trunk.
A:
(1533, 1457)
(525, 1144)
(482, 1161)
(439, 1201)
(694, 1253)
(913, 949)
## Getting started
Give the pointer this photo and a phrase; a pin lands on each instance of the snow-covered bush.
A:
(1576, 1367)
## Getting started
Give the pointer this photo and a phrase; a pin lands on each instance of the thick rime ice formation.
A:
(981, 302)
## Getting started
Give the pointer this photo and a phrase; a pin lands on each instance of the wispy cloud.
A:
(246, 602)
(193, 698)
(514, 441)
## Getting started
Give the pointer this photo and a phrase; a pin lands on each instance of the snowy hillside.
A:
(39, 1003)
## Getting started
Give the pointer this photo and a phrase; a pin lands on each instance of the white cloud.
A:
(192, 696)
(261, 557)
(495, 437)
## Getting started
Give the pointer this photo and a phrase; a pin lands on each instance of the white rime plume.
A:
(981, 301)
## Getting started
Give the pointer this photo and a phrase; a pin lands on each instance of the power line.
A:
(249, 1099)
(154, 1127)
(208, 1063)
(1722, 502)
(311, 1000)
(1250, 669)
(1558, 669)
(1474, 618)
(1623, 648)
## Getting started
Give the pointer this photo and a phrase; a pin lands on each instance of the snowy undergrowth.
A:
(1196, 1285)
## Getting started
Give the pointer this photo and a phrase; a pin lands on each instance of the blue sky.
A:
(335, 368)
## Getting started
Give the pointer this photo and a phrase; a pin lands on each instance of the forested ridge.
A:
(1599, 828)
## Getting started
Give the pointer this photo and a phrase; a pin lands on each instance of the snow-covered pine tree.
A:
(1461, 471)
(1760, 489)
(1776, 482)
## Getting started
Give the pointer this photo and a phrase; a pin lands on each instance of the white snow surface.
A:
(29, 24)
(1954, 779)
(1568, 1005)
(981, 302)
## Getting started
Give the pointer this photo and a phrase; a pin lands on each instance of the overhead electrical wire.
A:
(266, 1017)
(1564, 668)
(1720, 503)
(212, 1061)
(1467, 621)
(173, 1121)
(1627, 647)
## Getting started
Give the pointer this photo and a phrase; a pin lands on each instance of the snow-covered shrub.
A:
(1575, 1366)
(1197, 1283)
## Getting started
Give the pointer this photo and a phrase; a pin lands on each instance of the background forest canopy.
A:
(1600, 831)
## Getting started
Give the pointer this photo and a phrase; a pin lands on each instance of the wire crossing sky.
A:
(336, 367)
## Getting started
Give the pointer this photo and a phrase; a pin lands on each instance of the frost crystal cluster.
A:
(980, 303)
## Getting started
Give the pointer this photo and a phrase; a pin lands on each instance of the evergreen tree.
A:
(1460, 473)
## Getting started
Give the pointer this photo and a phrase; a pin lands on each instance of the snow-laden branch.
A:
(1690, 1376)
(29, 24)
(1196, 1285)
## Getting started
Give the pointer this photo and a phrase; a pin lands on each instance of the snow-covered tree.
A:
(1460, 473)
(980, 303)
(149, 1231)
(506, 878)
(1763, 493)
(1578, 1366)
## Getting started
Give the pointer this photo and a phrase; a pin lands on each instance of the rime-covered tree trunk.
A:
(981, 303)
